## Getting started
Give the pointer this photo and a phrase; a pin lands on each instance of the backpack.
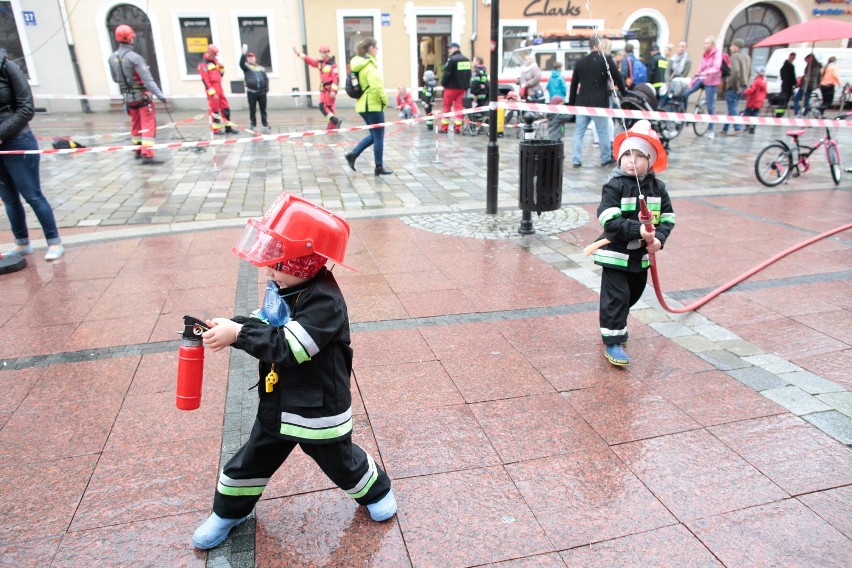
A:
(353, 86)
(726, 65)
(638, 72)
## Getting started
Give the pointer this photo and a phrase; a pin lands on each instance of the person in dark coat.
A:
(19, 173)
(788, 83)
(456, 81)
(257, 86)
(590, 87)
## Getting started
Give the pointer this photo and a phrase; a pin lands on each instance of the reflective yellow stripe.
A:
(367, 487)
(239, 491)
(320, 434)
(295, 347)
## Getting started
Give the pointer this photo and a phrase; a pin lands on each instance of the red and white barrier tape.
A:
(118, 98)
(671, 116)
(230, 141)
(120, 134)
(535, 107)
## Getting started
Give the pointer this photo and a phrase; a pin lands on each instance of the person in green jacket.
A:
(371, 105)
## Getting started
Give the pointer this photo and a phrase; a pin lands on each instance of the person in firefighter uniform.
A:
(211, 72)
(455, 80)
(134, 79)
(300, 337)
(329, 79)
(625, 259)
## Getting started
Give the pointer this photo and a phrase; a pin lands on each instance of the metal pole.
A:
(493, 156)
(688, 17)
(63, 13)
(305, 51)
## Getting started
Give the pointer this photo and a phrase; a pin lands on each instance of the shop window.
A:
(355, 29)
(9, 38)
(196, 34)
(254, 32)
(514, 37)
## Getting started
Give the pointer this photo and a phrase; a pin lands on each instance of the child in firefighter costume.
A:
(427, 95)
(300, 337)
(211, 72)
(625, 259)
(328, 79)
(134, 79)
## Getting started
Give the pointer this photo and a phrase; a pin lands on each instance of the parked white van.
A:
(779, 56)
(566, 51)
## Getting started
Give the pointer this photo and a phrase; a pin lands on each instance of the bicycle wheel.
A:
(834, 163)
(700, 128)
(672, 128)
(773, 164)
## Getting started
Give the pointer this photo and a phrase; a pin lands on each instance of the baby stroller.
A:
(643, 97)
(476, 122)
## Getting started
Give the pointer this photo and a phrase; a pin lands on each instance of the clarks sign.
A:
(548, 8)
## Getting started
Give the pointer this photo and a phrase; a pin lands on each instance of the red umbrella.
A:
(818, 29)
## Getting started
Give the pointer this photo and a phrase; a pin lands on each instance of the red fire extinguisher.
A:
(190, 364)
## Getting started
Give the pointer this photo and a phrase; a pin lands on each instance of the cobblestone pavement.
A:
(479, 379)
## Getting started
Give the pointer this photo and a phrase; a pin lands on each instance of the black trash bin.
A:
(541, 175)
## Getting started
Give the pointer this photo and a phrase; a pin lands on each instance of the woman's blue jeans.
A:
(375, 137)
(19, 177)
(709, 98)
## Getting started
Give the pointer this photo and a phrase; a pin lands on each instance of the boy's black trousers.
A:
(343, 462)
(619, 291)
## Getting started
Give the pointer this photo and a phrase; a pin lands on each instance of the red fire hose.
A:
(646, 218)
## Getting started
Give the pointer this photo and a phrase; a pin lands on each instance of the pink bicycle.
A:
(778, 161)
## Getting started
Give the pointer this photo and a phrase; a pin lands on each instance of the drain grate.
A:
(502, 225)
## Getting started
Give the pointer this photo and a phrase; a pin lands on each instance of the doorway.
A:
(144, 42)
(433, 37)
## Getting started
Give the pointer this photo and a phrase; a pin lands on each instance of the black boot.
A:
(151, 161)
(383, 171)
(350, 159)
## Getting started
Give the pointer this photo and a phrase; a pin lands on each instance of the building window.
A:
(647, 32)
(9, 38)
(753, 24)
(355, 29)
(513, 37)
(254, 32)
(196, 34)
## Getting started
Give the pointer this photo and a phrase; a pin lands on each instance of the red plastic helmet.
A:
(293, 227)
(642, 130)
(213, 49)
(324, 49)
(124, 34)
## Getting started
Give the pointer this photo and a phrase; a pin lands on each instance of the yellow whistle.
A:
(271, 379)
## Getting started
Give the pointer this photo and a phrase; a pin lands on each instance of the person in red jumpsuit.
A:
(329, 79)
(137, 85)
(211, 72)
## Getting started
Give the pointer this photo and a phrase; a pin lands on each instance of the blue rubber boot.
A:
(214, 531)
(384, 508)
(615, 354)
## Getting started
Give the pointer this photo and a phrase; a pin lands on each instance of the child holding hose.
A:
(627, 240)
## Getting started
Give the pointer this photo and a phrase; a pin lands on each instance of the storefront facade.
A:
(413, 35)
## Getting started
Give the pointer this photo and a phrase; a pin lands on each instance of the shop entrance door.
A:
(433, 37)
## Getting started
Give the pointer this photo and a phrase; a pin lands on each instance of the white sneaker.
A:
(54, 252)
(384, 508)
(711, 135)
(214, 531)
